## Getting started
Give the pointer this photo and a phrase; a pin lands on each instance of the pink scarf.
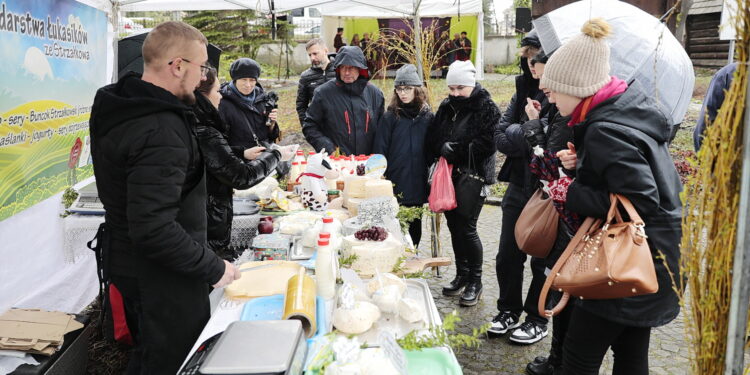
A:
(615, 86)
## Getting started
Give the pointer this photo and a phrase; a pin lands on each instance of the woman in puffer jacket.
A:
(226, 169)
(621, 147)
(462, 133)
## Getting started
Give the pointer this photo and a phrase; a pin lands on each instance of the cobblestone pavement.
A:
(496, 355)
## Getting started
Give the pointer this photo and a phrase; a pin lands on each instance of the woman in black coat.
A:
(621, 146)
(509, 263)
(226, 167)
(400, 137)
(462, 133)
(248, 110)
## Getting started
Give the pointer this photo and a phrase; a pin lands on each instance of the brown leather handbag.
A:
(536, 228)
(605, 260)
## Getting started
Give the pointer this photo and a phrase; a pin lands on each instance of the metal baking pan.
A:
(416, 289)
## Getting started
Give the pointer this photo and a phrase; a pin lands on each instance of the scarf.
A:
(615, 86)
(249, 99)
(410, 110)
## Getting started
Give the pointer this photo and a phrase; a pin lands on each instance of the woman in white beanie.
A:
(463, 133)
(400, 136)
(620, 139)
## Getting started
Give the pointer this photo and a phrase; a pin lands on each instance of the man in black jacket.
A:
(151, 180)
(319, 73)
(343, 113)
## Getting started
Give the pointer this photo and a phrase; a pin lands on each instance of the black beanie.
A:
(244, 67)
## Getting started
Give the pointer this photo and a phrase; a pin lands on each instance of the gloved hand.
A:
(534, 133)
(558, 189)
(447, 150)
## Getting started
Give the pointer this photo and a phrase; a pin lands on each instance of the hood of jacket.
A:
(352, 56)
(634, 109)
(130, 98)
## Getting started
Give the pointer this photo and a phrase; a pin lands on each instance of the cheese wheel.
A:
(378, 188)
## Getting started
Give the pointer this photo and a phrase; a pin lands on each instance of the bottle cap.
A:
(324, 235)
(323, 242)
(328, 219)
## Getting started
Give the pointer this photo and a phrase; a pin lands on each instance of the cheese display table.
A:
(79, 229)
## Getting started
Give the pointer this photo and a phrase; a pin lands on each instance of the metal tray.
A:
(416, 289)
(299, 252)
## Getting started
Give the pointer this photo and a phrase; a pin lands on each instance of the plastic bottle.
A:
(325, 270)
(295, 171)
(332, 226)
(300, 157)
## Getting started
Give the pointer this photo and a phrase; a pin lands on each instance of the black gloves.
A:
(447, 150)
(534, 133)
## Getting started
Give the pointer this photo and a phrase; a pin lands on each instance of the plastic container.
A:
(325, 270)
(295, 171)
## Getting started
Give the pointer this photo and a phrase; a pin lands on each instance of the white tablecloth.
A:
(79, 229)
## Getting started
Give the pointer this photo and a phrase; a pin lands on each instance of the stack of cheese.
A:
(373, 255)
(359, 188)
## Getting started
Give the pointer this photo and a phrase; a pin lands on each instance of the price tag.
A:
(393, 352)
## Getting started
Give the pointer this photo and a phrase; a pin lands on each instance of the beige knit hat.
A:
(580, 67)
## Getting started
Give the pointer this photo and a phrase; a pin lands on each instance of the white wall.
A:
(499, 50)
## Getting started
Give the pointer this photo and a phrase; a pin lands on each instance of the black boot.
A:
(459, 282)
(540, 366)
(472, 293)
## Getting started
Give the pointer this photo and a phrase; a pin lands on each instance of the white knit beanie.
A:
(461, 73)
(580, 67)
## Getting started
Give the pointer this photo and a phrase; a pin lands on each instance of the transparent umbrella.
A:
(644, 52)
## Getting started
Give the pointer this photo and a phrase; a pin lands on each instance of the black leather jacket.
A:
(225, 171)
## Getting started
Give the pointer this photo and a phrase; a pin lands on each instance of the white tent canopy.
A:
(333, 11)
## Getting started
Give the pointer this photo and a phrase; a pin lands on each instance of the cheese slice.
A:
(265, 281)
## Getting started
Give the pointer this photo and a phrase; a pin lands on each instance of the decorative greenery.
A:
(406, 215)
(399, 266)
(443, 335)
(69, 196)
(418, 275)
(348, 260)
(709, 226)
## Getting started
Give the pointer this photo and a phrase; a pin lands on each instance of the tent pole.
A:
(418, 39)
(738, 306)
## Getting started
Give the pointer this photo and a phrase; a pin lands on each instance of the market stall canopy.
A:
(354, 8)
(643, 50)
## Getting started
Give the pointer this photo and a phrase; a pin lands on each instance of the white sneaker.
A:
(529, 333)
(504, 322)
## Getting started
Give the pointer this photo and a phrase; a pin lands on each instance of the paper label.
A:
(393, 352)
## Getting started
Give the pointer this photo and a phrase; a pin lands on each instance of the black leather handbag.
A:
(468, 186)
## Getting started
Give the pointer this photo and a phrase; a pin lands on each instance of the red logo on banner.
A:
(75, 153)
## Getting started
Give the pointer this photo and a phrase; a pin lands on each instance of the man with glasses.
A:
(344, 113)
(150, 177)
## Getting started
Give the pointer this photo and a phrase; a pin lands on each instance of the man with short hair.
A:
(344, 113)
(338, 40)
(150, 177)
(464, 48)
(320, 71)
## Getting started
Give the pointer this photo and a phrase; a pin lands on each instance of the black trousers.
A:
(415, 227)
(509, 263)
(560, 323)
(588, 338)
(166, 313)
(467, 247)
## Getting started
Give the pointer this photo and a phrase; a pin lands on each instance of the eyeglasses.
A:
(204, 68)
(404, 89)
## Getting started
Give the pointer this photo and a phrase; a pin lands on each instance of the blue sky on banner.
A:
(54, 50)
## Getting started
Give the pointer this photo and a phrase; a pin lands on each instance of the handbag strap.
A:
(583, 231)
